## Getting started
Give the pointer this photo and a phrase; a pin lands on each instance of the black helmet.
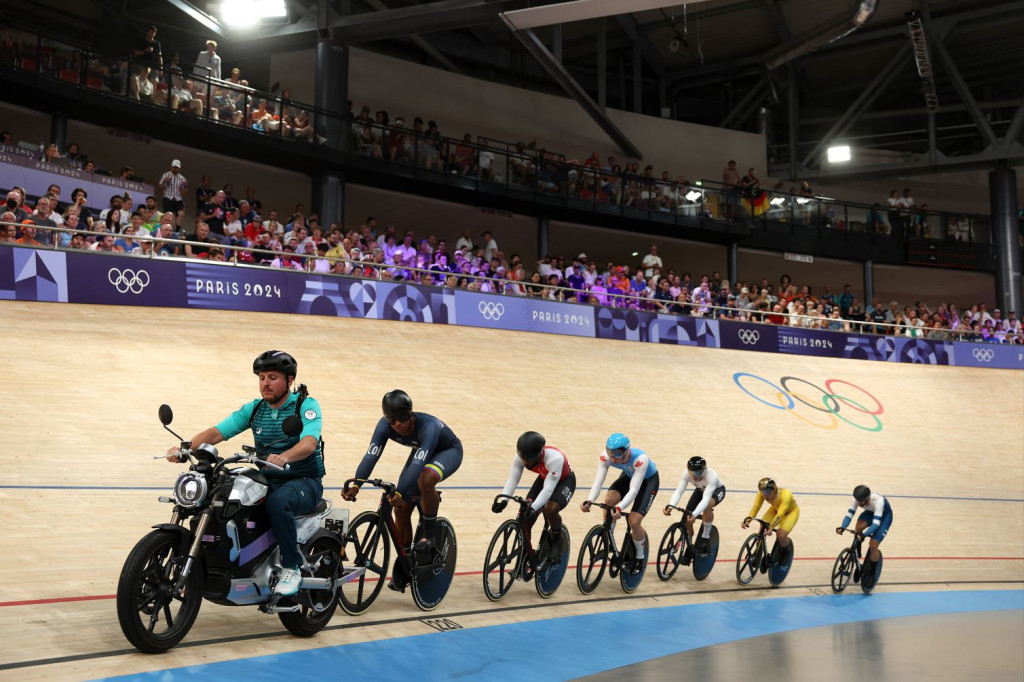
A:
(862, 493)
(767, 485)
(697, 465)
(275, 361)
(396, 405)
(530, 446)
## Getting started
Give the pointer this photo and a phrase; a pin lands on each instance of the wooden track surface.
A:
(87, 380)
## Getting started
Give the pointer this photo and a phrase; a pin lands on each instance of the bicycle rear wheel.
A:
(670, 551)
(702, 565)
(868, 582)
(366, 538)
(780, 570)
(842, 570)
(749, 559)
(592, 560)
(550, 574)
(432, 577)
(504, 560)
(633, 569)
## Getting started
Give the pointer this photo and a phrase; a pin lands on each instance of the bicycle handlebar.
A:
(685, 511)
(514, 498)
(764, 524)
(388, 488)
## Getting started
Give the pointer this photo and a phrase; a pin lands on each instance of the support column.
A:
(331, 82)
(329, 197)
(733, 266)
(59, 130)
(1002, 185)
(542, 236)
(556, 42)
(869, 283)
(602, 67)
(794, 121)
(638, 84)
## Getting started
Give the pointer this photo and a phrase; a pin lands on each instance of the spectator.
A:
(28, 233)
(202, 235)
(213, 214)
(730, 187)
(652, 260)
(147, 52)
(208, 62)
(490, 246)
(174, 186)
(204, 193)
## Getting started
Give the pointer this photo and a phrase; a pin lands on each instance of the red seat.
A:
(161, 86)
(94, 82)
(28, 64)
(69, 76)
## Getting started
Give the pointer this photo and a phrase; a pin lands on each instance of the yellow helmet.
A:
(767, 485)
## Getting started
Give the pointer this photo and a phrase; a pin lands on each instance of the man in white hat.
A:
(174, 185)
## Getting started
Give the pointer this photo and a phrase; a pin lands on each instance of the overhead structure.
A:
(923, 60)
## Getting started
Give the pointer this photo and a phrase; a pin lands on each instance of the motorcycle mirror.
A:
(166, 414)
(292, 426)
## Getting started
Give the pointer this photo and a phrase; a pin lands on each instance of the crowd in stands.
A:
(241, 229)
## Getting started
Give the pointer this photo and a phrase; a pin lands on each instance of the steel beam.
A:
(536, 47)
(966, 96)
(1015, 125)
(864, 100)
(1014, 155)
(638, 86)
(209, 22)
(419, 41)
(602, 66)
(631, 27)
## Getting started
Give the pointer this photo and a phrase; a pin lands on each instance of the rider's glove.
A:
(529, 514)
(499, 507)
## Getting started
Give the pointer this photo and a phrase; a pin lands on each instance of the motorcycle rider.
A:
(298, 489)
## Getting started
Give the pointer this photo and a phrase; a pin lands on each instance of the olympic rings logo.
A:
(831, 402)
(128, 280)
(983, 354)
(491, 311)
(749, 336)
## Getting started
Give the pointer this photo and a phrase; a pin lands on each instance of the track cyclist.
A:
(708, 493)
(436, 454)
(550, 492)
(782, 515)
(298, 489)
(873, 522)
(638, 483)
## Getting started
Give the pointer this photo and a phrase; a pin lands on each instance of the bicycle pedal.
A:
(397, 586)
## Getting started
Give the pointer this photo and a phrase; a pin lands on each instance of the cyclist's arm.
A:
(602, 472)
(554, 461)
(684, 482)
(849, 514)
(758, 501)
(711, 484)
(787, 503)
(640, 466)
(428, 445)
(514, 476)
(373, 453)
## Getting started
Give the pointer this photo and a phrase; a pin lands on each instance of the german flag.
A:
(757, 205)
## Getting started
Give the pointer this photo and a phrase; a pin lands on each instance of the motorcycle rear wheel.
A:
(308, 621)
(152, 616)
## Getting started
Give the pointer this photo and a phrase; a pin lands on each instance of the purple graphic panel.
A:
(747, 336)
(226, 287)
(523, 314)
(639, 325)
(989, 355)
(125, 280)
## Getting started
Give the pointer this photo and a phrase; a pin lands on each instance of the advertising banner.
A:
(494, 311)
(988, 355)
(28, 274)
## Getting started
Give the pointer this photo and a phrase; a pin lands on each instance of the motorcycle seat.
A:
(320, 509)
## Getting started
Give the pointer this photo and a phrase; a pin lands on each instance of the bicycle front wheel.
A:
(749, 559)
(670, 551)
(504, 560)
(367, 540)
(842, 570)
(592, 560)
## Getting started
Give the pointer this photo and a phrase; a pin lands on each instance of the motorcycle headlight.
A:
(190, 489)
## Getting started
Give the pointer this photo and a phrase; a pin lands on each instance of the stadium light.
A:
(244, 13)
(693, 195)
(839, 154)
(778, 201)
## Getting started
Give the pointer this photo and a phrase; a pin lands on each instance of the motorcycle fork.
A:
(193, 551)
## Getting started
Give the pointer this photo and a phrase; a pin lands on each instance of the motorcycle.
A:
(219, 546)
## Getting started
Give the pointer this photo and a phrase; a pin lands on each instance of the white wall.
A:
(461, 104)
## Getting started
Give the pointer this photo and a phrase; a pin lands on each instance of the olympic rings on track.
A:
(830, 402)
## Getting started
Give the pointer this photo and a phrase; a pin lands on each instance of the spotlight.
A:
(674, 45)
(839, 154)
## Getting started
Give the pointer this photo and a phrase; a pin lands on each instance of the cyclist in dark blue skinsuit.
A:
(436, 454)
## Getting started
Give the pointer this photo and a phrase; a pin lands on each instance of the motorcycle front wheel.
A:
(153, 615)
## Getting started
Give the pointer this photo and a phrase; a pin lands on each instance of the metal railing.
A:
(231, 255)
(483, 163)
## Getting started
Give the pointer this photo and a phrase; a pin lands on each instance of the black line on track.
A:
(453, 614)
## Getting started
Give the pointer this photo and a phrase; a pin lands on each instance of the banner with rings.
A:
(825, 404)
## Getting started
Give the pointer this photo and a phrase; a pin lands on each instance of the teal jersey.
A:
(270, 438)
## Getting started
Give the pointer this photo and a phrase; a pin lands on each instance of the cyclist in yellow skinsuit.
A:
(782, 514)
